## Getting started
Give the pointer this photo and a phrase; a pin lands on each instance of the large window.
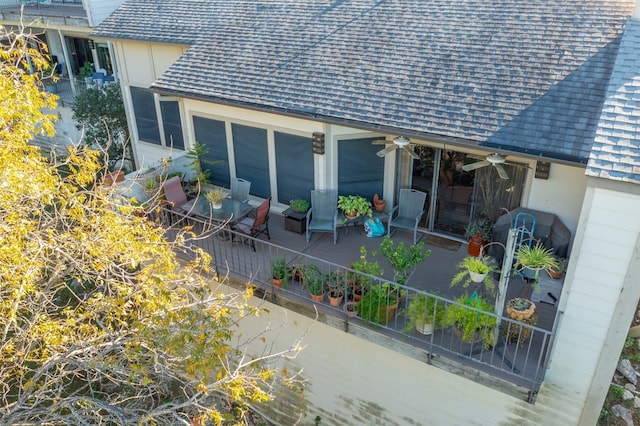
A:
(252, 160)
(212, 135)
(360, 170)
(294, 167)
(157, 118)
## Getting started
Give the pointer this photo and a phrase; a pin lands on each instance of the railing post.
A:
(503, 284)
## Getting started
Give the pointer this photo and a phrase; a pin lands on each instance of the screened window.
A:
(294, 171)
(360, 170)
(171, 124)
(144, 109)
(252, 161)
(212, 135)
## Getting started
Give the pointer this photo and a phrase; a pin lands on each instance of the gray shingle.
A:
(520, 76)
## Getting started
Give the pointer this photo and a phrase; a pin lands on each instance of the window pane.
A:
(144, 109)
(294, 161)
(252, 162)
(212, 135)
(360, 170)
(172, 125)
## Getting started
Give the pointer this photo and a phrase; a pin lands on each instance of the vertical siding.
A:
(599, 298)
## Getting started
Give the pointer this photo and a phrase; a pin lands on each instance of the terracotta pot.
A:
(378, 203)
(350, 309)
(335, 298)
(317, 297)
(278, 282)
(475, 244)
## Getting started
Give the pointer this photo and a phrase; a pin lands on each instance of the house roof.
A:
(516, 76)
(616, 150)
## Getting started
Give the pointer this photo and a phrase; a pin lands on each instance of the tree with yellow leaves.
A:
(100, 321)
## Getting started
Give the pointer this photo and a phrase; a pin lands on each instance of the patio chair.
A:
(323, 214)
(256, 225)
(174, 193)
(240, 190)
(407, 214)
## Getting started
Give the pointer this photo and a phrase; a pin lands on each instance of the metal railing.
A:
(517, 351)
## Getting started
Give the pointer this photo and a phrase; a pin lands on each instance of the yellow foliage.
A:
(95, 306)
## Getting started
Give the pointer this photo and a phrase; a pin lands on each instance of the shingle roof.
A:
(520, 76)
(616, 151)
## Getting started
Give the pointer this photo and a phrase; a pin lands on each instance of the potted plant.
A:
(529, 261)
(279, 271)
(86, 73)
(151, 185)
(299, 205)
(475, 269)
(360, 280)
(425, 313)
(215, 197)
(335, 292)
(471, 325)
(378, 203)
(479, 233)
(520, 309)
(557, 273)
(378, 304)
(314, 281)
(402, 258)
(354, 206)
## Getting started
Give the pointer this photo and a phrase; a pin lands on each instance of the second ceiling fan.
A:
(391, 145)
(496, 160)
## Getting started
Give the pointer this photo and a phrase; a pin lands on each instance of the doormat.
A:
(444, 243)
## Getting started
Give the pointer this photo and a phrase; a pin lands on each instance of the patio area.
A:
(518, 361)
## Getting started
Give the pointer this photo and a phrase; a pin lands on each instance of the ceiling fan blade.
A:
(473, 166)
(411, 152)
(387, 150)
(501, 171)
(381, 142)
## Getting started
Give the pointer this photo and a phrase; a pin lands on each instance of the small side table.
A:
(295, 221)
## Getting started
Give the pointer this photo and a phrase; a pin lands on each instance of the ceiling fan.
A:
(392, 145)
(496, 160)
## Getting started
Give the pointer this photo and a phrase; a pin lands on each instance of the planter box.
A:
(295, 221)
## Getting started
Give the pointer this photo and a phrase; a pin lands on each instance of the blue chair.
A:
(323, 214)
(407, 214)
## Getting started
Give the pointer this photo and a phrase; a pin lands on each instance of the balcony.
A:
(50, 12)
(514, 362)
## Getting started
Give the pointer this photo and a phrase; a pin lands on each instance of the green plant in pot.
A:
(557, 273)
(314, 281)
(529, 261)
(378, 304)
(471, 325)
(425, 313)
(366, 266)
(299, 205)
(402, 258)
(215, 197)
(479, 233)
(478, 270)
(279, 271)
(354, 206)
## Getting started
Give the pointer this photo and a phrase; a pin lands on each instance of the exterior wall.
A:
(561, 194)
(599, 299)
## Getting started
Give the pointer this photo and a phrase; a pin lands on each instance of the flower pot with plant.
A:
(402, 258)
(529, 261)
(557, 273)
(471, 319)
(363, 270)
(354, 206)
(520, 309)
(299, 205)
(378, 203)
(334, 286)
(279, 271)
(479, 233)
(477, 270)
(378, 304)
(314, 281)
(151, 186)
(215, 197)
(425, 313)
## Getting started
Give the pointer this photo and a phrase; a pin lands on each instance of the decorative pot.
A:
(475, 244)
(335, 298)
(521, 315)
(316, 297)
(555, 274)
(378, 203)
(424, 327)
(476, 277)
(278, 282)
(216, 206)
(350, 216)
(350, 309)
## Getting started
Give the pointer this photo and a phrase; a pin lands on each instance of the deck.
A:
(520, 362)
